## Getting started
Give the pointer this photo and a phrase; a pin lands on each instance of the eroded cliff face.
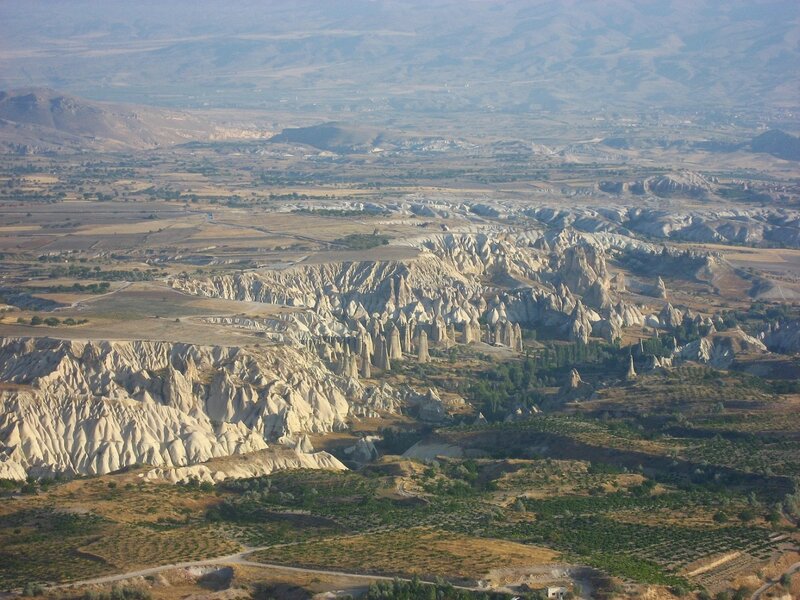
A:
(782, 336)
(556, 279)
(256, 464)
(96, 406)
(720, 349)
(474, 287)
(707, 225)
(92, 407)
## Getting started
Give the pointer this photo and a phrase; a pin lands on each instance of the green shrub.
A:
(32, 589)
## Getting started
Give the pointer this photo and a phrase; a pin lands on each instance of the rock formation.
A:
(395, 349)
(366, 366)
(631, 374)
(256, 464)
(95, 407)
(721, 349)
(670, 317)
(783, 336)
(422, 347)
(660, 289)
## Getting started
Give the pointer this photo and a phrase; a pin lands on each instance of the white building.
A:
(557, 593)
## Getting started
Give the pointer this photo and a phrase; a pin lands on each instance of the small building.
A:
(557, 593)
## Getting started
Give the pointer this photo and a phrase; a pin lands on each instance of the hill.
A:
(778, 143)
(36, 120)
(515, 56)
(333, 137)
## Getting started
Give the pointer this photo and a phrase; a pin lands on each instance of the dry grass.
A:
(148, 226)
(122, 525)
(419, 551)
(131, 547)
(124, 499)
(147, 311)
(546, 479)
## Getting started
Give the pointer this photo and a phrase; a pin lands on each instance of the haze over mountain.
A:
(411, 55)
(778, 143)
(44, 119)
(35, 120)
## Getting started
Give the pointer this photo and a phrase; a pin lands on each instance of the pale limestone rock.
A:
(422, 347)
(660, 290)
(366, 370)
(255, 465)
(631, 374)
(467, 334)
(97, 406)
(518, 338)
(670, 317)
(363, 451)
(395, 349)
(721, 349)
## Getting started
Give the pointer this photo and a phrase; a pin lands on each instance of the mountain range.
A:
(432, 56)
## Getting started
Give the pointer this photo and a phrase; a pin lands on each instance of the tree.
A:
(743, 593)
(747, 515)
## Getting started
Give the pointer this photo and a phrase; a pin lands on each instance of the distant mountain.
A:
(421, 56)
(36, 120)
(778, 143)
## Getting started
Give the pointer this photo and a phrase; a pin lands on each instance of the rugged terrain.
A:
(486, 302)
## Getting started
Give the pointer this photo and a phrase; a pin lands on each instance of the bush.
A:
(747, 515)
(743, 593)
(119, 593)
(362, 241)
(679, 590)
(32, 589)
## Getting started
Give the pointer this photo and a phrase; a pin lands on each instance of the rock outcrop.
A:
(721, 349)
(783, 336)
(575, 388)
(631, 373)
(92, 407)
(256, 464)
(462, 288)
(422, 347)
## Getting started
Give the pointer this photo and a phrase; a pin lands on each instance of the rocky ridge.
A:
(463, 288)
(89, 407)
